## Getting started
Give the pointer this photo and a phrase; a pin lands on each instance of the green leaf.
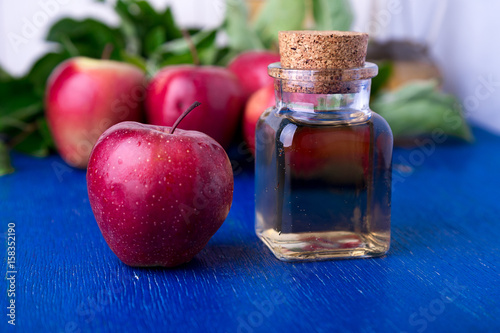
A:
(154, 39)
(332, 14)
(33, 144)
(385, 69)
(178, 51)
(5, 166)
(43, 128)
(419, 108)
(134, 60)
(86, 38)
(224, 56)
(277, 15)
(42, 69)
(207, 47)
(139, 12)
(144, 28)
(176, 59)
(22, 102)
(133, 43)
(171, 28)
(17, 117)
(19, 108)
(12, 88)
(241, 36)
(4, 76)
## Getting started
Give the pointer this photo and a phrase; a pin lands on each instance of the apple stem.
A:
(183, 115)
(106, 53)
(192, 47)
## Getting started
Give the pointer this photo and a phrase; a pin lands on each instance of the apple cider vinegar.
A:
(323, 158)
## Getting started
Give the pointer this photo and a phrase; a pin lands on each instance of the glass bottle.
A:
(323, 166)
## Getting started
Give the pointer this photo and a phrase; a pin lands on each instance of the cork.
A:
(309, 49)
(322, 62)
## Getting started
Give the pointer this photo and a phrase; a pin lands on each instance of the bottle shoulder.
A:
(274, 118)
(270, 118)
(380, 122)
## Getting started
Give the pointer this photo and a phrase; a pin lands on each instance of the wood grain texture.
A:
(441, 274)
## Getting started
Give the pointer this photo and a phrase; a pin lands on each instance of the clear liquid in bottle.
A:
(323, 191)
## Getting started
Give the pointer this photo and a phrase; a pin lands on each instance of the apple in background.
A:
(173, 88)
(158, 196)
(337, 154)
(256, 105)
(84, 97)
(251, 69)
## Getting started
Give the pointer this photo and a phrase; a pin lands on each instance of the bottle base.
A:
(324, 245)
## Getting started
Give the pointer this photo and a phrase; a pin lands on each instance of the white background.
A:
(464, 36)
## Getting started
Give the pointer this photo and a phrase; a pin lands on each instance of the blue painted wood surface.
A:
(441, 274)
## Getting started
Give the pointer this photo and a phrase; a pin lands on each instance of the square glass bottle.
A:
(323, 158)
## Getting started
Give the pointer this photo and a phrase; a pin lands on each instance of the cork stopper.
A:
(307, 49)
(322, 62)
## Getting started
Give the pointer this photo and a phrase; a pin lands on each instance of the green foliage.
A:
(4, 76)
(41, 69)
(139, 39)
(144, 29)
(22, 123)
(31, 141)
(279, 15)
(86, 37)
(385, 69)
(241, 36)
(5, 166)
(145, 37)
(151, 39)
(178, 51)
(332, 14)
(417, 109)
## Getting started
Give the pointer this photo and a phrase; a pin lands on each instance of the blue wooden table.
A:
(442, 273)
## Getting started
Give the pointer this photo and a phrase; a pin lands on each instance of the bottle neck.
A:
(331, 108)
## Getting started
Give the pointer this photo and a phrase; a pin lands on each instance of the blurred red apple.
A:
(256, 105)
(218, 90)
(84, 97)
(339, 154)
(251, 69)
(158, 193)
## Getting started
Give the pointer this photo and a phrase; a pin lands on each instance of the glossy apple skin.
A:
(174, 88)
(257, 103)
(84, 97)
(251, 69)
(158, 197)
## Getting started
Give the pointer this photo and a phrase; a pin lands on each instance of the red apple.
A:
(251, 69)
(173, 88)
(256, 105)
(158, 196)
(84, 97)
(339, 154)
